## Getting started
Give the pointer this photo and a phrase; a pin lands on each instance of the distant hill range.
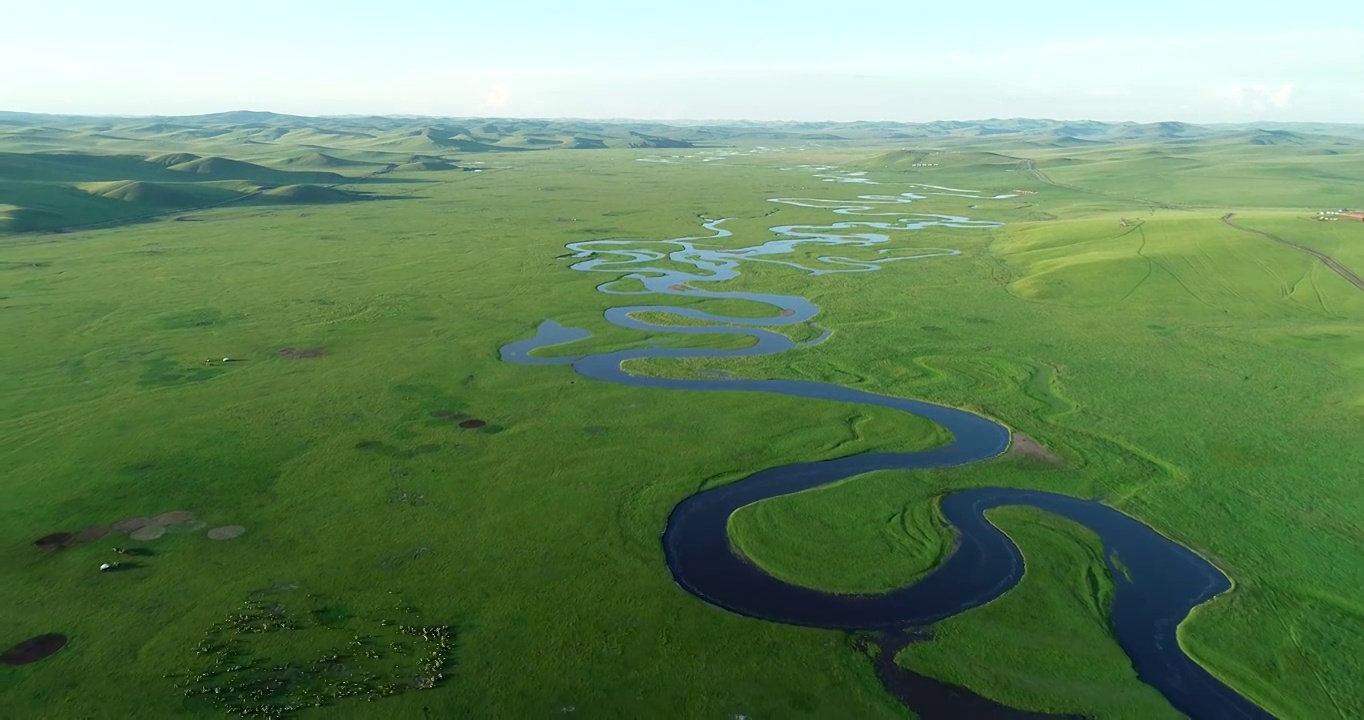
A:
(331, 142)
(60, 172)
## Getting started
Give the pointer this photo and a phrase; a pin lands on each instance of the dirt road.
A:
(1330, 262)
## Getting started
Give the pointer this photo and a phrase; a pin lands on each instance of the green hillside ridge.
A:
(217, 134)
(170, 159)
(426, 166)
(312, 194)
(224, 168)
(14, 219)
(158, 194)
(641, 140)
(427, 139)
(315, 159)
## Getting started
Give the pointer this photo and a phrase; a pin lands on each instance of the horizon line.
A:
(622, 120)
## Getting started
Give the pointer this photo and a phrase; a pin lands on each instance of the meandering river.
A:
(1160, 581)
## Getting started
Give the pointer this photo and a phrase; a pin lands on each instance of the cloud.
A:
(1256, 96)
(498, 97)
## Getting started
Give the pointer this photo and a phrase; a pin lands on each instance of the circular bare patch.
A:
(33, 649)
(472, 424)
(170, 518)
(131, 524)
(188, 526)
(149, 532)
(227, 532)
(92, 534)
(55, 540)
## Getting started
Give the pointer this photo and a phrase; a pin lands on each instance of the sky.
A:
(1191, 60)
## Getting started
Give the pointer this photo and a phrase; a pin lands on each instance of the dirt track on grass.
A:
(1349, 275)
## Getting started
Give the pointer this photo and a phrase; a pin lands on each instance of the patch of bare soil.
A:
(33, 649)
(92, 534)
(226, 532)
(1024, 446)
(131, 524)
(55, 540)
(173, 517)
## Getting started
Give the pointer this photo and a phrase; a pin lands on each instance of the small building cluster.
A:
(1341, 214)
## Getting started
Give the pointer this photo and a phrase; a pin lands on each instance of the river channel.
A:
(1159, 583)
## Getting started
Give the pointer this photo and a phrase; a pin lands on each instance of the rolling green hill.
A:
(52, 190)
(309, 194)
(219, 168)
(315, 159)
(426, 166)
(159, 195)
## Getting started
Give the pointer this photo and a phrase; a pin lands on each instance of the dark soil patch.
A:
(298, 354)
(92, 534)
(226, 532)
(55, 541)
(33, 649)
(788, 312)
(472, 424)
(130, 525)
(188, 526)
(150, 532)
(173, 517)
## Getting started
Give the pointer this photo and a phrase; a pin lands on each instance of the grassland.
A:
(1203, 379)
(1069, 670)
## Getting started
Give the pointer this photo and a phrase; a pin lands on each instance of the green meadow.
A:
(1198, 376)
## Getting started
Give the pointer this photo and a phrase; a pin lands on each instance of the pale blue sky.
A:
(1194, 60)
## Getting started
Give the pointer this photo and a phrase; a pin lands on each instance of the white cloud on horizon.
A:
(497, 98)
(1258, 97)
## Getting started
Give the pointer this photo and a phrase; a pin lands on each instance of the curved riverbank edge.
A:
(1164, 580)
(946, 548)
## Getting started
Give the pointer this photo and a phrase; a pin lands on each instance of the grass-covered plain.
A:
(1203, 379)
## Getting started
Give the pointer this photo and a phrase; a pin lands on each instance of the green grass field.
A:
(1201, 378)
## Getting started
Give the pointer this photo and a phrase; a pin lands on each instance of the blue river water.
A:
(1160, 581)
